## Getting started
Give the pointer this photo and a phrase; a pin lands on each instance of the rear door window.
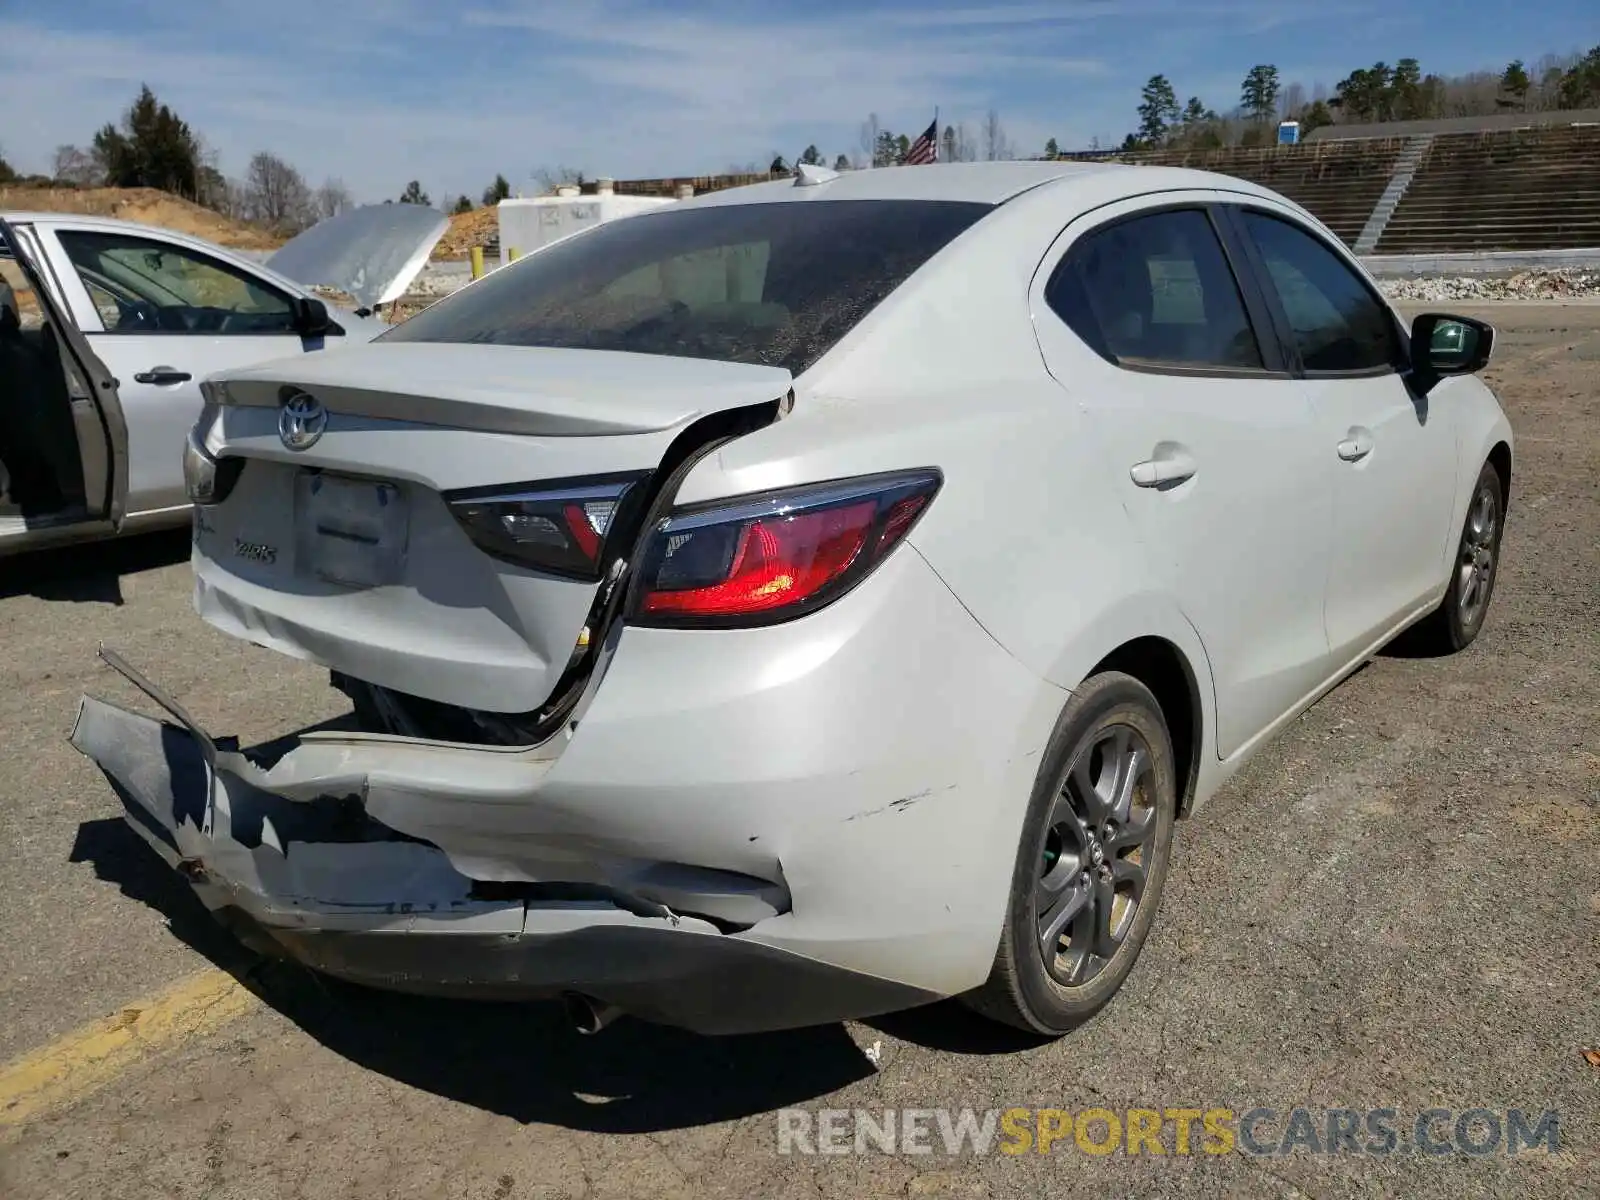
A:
(1156, 292)
(772, 283)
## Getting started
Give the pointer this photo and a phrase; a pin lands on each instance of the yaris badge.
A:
(301, 421)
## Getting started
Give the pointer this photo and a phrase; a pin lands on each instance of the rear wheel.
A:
(1458, 619)
(1093, 859)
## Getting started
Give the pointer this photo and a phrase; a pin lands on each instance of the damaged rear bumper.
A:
(745, 830)
(355, 900)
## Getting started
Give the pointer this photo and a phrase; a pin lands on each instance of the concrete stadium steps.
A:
(1526, 189)
(1427, 192)
(700, 183)
(1548, 233)
(1405, 168)
(1339, 182)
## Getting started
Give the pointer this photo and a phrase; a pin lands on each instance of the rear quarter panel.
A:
(947, 373)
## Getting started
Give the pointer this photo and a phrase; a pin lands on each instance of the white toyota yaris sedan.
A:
(813, 599)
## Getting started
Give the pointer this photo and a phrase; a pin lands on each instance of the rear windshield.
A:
(773, 284)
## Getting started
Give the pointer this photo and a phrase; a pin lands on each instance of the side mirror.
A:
(1443, 344)
(311, 318)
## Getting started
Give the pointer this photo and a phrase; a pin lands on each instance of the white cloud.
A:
(382, 93)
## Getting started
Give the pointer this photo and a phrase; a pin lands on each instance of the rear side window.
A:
(1156, 291)
(1339, 325)
(773, 284)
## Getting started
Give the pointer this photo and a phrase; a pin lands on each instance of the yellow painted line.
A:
(90, 1057)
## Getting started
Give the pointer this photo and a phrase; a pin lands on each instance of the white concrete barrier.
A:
(1486, 263)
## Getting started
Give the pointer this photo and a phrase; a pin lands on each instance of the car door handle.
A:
(163, 375)
(1356, 445)
(1172, 467)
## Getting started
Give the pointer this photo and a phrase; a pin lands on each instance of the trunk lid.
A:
(347, 551)
(510, 389)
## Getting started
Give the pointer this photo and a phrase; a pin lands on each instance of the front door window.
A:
(143, 286)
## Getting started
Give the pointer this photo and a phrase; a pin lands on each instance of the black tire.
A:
(1023, 990)
(1455, 624)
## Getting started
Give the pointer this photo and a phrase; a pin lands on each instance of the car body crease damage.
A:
(276, 839)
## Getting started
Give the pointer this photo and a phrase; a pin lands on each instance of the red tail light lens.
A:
(761, 560)
(554, 527)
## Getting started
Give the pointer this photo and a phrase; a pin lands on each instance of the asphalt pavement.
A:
(1395, 906)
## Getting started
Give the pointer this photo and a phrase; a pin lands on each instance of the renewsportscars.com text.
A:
(1260, 1131)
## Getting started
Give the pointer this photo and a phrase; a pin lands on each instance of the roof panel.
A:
(977, 182)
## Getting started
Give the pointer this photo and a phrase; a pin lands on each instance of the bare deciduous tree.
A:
(995, 144)
(276, 194)
(1294, 99)
(1545, 75)
(211, 187)
(77, 166)
(220, 194)
(331, 199)
(550, 178)
(871, 132)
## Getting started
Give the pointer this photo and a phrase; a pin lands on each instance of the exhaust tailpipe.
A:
(587, 1015)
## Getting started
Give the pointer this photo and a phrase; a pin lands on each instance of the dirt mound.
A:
(468, 229)
(147, 206)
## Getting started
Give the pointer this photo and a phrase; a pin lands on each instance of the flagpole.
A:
(936, 132)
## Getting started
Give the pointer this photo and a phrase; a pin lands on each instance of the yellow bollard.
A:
(477, 262)
(513, 254)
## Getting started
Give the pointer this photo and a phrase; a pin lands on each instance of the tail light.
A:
(551, 527)
(761, 560)
(207, 480)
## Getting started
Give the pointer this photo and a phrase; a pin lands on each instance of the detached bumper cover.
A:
(360, 902)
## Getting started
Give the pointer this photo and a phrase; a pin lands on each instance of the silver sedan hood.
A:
(371, 253)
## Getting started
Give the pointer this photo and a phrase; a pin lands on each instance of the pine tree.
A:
(1158, 110)
(153, 148)
(497, 191)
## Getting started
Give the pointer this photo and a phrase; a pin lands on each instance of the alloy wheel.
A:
(1478, 547)
(1093, 871)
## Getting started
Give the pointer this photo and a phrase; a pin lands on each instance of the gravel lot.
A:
(1397, 904)
(1561, 284)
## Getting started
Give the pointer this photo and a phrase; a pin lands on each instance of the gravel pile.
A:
(431, 284)
(1563, 283)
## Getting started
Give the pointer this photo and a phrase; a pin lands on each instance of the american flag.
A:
(926, 148)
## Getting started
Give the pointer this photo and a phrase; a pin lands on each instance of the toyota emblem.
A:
(301, 421)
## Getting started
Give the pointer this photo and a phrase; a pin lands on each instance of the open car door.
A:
(63, 437)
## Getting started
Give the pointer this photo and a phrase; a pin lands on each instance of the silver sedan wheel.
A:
(1475, 567)
(1092, 877)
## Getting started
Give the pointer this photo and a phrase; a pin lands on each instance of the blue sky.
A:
(378, 92)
